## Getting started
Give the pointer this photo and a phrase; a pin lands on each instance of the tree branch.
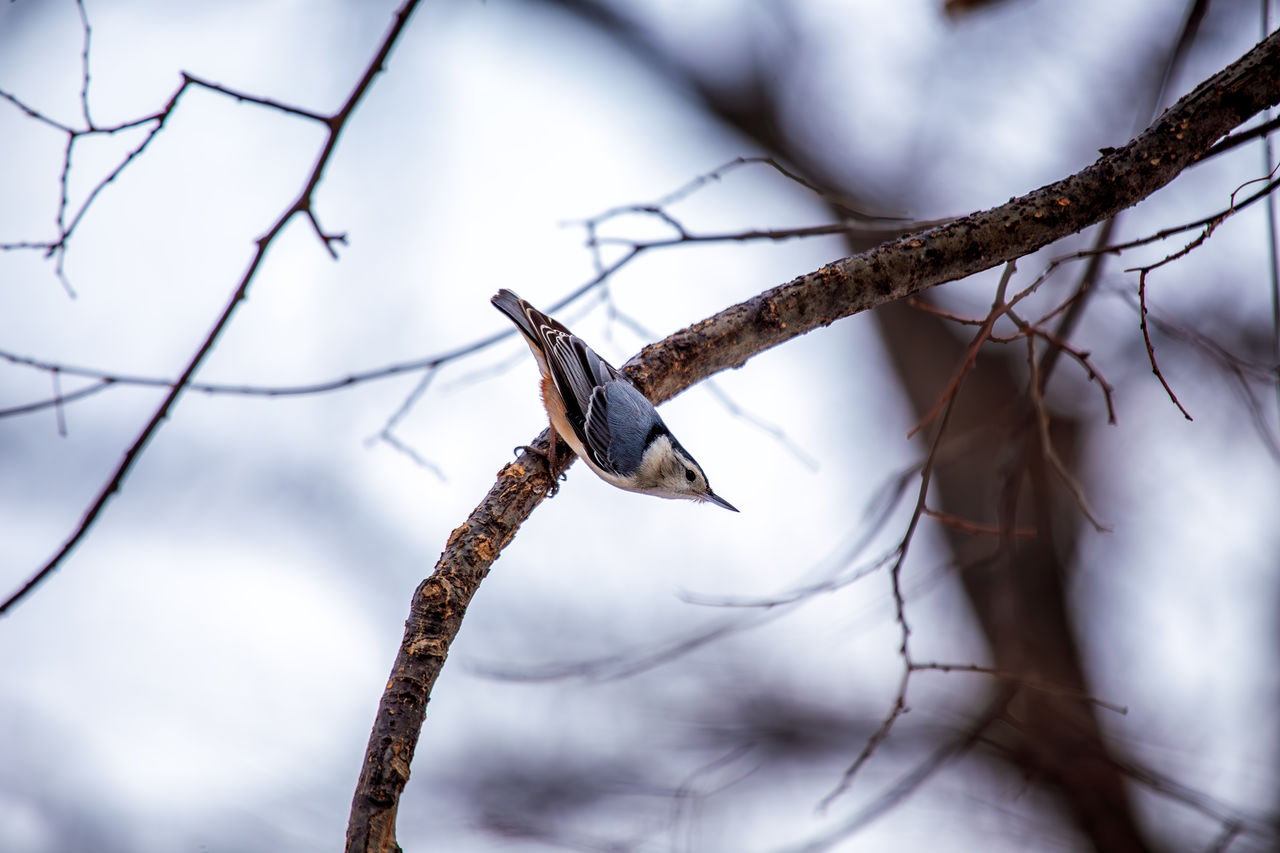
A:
(336, 123)
(891, 271)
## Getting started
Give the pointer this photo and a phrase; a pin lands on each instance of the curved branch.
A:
(894, 270)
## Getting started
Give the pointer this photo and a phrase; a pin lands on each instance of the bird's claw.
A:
(556, 476)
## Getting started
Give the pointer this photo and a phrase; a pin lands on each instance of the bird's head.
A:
(668, 471)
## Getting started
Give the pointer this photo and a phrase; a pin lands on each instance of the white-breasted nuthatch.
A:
(602, 416)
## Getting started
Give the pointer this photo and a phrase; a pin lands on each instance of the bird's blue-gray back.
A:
(620, 424)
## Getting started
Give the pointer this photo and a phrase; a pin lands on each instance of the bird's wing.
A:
(619, 425)
(577, 371)
(581, 376)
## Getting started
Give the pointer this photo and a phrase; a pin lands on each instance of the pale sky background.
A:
(203, 672)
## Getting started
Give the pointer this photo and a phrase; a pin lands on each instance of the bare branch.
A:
(1237, 139)
(427, 363)
(84, 64)
(32, 112)
(57, 400)
(912, 780)
(1041, 414)
(245, 98)
(1244, 372)
(965, 525)
(387, 433)
(657, 208)
(1151, 353)
(57, 397)
(57, 247)
(302, 203)
(899, 707)
(1022, 680)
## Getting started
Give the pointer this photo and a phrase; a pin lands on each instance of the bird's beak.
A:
(719, 501)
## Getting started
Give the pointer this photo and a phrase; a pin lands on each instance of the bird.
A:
(602, 416)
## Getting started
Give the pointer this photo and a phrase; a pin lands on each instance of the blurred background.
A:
(203, 671)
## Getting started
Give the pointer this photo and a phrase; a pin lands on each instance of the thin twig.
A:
(899, 706)
(1082, 357)
(1022, 680)
(1103, 247)
(965, 525)
(913, 779)
(387, 433)
(84, 64)
(337, 123)
(723, 397)
(56, 401)
(1151, 352)
(1041, 414)
(245, 98)
(1273, 250)
(930, 308)
(66, 226)
(33, 113)
(1236, 139)
(1245, 373)
(971, 353)
(658, 207)
(58, 408)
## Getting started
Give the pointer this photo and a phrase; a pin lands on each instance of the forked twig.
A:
(1041, 414)
(336, 123)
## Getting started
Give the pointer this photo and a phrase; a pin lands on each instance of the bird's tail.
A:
(517, 309)
(528, 320)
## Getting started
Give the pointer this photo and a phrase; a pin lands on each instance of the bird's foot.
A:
(556, 475)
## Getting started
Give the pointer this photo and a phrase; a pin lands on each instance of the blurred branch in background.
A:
(428, 366)
(104, 379)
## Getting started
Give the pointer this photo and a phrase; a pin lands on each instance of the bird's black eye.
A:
(689, 475)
